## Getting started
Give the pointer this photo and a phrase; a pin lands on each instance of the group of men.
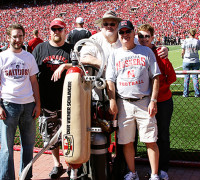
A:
(132, 81)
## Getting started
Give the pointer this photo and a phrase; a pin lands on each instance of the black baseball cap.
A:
(125, 24)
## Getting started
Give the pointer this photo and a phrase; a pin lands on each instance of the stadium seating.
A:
(169, 17)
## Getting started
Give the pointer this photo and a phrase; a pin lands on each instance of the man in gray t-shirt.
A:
(190, 48)
(132, 76)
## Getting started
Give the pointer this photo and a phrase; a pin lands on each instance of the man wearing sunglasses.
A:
(132, 76)
(107, 39)
(52, 57)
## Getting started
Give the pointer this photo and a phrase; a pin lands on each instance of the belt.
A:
(133, 99)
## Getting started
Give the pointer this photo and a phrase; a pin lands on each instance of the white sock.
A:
(154, 175)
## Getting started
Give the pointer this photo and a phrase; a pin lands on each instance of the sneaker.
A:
(196, 95)
(131, 176)
(56, 172)
(73, 174)
(163, 175)
(185, 95)
(154, 177)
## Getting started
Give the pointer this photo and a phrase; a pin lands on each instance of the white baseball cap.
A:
(79, 20)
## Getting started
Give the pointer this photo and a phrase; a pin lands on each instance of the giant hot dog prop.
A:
(76, 105)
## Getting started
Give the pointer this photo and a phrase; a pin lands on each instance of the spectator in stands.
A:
(3, 48)
(35, 41)
(93, 32)
(132, 90)
(52, 57)
(20, 102)
(165, 102)
(78, 33)
(190, 48)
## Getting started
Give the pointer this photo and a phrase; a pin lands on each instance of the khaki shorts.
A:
(132, 114)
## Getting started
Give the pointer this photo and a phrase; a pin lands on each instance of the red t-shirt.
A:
(33, 43)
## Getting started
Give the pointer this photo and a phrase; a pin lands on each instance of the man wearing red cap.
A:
(52, 57)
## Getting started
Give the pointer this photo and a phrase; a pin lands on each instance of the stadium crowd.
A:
(170, 18)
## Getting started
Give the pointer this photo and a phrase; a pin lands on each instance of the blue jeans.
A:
(191, 66)
(17, 115)
(163, 116)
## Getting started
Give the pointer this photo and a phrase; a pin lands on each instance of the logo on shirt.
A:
(54, 61)
(17, 70)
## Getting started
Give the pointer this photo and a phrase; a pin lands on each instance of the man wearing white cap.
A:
(79, 32)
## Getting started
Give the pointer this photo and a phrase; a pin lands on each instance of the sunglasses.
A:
(109, 24)
(59, 29)
(127, 31)
(144, 36)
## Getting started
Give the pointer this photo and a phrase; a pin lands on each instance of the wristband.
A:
(154, 100)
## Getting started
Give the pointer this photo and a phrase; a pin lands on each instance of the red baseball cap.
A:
(93, 32)
(58, 22)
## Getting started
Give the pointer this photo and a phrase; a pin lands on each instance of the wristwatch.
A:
(154, 100)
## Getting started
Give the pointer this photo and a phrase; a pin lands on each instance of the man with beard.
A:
(52, 57)
(107, 39)
(20, 102)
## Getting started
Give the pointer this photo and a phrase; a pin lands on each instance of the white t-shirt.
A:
(106, 46)
(93, 51)
(132, 71)
(15, 72)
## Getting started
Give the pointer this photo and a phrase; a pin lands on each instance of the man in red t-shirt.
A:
(35, 41)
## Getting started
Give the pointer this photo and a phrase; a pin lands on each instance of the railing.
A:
(185, 123)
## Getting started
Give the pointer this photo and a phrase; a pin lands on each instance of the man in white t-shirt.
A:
(132, 76)
(20, 102)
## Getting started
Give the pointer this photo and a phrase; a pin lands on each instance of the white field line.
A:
(177, 67)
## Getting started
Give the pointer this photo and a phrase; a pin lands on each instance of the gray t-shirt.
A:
(191, 46)
(132, 71)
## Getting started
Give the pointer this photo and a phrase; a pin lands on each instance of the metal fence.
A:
(185, 124)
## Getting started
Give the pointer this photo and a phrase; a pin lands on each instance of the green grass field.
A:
(175, 57)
